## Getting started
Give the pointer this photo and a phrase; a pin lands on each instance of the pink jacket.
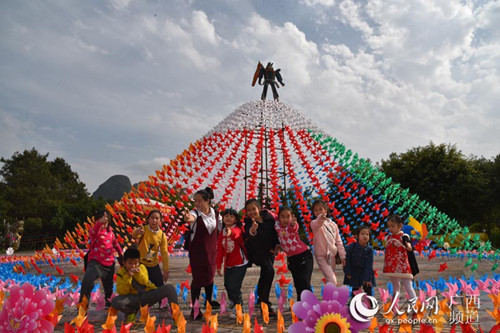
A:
(327, 241)
(103, 245)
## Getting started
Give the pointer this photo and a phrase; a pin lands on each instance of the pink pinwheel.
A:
(384, 295)
(451, 293)
(251, 304)
(72, 299)
(25, 310)
(282, 301)
(223, 303)
(334, 305)
(196, 308)
(421, 296)
(483, 286)
(431, 292)
(164, 303)
(495, 287)
(466, 288)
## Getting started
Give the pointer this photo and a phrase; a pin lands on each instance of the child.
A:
(358, 269)
(327, 241)
(135, 289)
(300, 259)
(151, 241)
(231, 250)
(396, 263)
(101, 257)
(261, 241)
(205, 225)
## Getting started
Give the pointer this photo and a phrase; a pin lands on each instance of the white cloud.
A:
(128, 81)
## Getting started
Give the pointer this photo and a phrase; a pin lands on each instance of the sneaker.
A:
(215, 305)
(130, 318)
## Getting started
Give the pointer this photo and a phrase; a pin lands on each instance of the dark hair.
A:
(207, 194)
(321, 203)
(152, 212)
(231, 211)
(253, 201)
(358, 230)
(100, 213)
(131, 253)
(395, 218)
(283, 209)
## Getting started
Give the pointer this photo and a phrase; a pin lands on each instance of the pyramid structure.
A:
(269, 150)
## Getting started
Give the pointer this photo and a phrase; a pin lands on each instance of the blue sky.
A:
(121, 87)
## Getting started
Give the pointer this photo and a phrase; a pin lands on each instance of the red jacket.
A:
(230, 249)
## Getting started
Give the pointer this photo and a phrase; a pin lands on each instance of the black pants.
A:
(94, 271)
(367, 289)
(155, 275)
(195, 293)
(233, 278)
(132, 303)
(265, 279)
(301, 266)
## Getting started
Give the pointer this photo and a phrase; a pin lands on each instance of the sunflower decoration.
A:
(332, 323)
(330, 315)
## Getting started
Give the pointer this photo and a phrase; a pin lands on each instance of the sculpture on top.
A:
(270, 77)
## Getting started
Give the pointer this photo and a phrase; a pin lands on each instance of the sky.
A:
(123, 86)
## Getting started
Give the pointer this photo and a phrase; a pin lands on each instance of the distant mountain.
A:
(113, 188)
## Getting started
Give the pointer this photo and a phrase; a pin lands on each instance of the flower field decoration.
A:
(329, 315)
(26, 310)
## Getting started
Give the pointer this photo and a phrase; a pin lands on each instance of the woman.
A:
(205, 225)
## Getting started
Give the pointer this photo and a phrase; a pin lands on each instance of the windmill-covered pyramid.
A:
(269, 150)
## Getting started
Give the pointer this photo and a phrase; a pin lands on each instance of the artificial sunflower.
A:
(332, 323)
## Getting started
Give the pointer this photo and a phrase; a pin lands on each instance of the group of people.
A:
(215, 240)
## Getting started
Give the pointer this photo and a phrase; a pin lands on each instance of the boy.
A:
(135, 289)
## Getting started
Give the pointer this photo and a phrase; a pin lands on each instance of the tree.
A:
(443, 176)
(34, 187)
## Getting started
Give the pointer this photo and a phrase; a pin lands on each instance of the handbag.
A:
(412, 260)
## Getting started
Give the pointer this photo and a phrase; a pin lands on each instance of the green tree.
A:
(34, 187)
(443, 176)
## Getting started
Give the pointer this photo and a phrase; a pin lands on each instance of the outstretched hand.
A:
(188, 218)
(322, 218)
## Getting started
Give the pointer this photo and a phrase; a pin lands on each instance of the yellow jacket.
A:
(124, 281)
(149, 245)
